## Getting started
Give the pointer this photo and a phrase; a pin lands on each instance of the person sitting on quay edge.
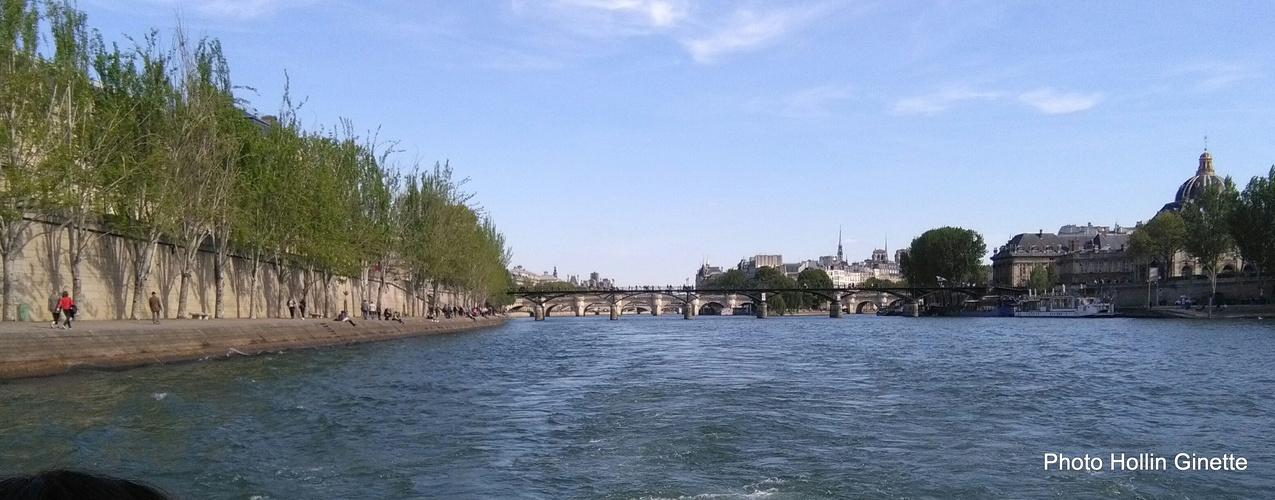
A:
(67, 306)
(345, 317)
(71, 485)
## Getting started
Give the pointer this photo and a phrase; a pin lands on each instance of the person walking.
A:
(53, 308)
(302, 306)
(156, 307)
(67, 307)
(292, 308)
(365, 308)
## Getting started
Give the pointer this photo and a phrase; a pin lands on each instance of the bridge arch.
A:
(712, 308)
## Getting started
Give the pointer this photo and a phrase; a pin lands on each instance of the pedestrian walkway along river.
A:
(650, 408)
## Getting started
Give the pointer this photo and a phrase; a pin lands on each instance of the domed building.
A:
(1183, 264)
(1194, 187)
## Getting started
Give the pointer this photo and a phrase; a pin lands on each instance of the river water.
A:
(653, 408)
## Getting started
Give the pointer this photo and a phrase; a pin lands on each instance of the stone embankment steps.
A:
(35, 349)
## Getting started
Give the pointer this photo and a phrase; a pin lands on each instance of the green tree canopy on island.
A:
(733, 279)
(950, 254)
(814, 278)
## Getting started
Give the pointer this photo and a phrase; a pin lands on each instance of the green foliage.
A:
(1252, 221)
(769, 277)
(1159, 238)
(949, 254)
(733, 279)
(150, 141)
(1042, 278)
(1208, 233)
(875, 282)
(813, 278)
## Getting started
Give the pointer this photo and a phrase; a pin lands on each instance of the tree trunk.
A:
(194, 239)
(10, 262)
(1213, 281)
(143, 253)
(219, 274)
(279, 280)
(380, 288)
(78, 240)
(327, 292)
(252, 285)
(14, 232)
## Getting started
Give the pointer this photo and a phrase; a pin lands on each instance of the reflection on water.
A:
(666, 408)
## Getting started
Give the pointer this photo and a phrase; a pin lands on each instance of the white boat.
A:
(1063, 306)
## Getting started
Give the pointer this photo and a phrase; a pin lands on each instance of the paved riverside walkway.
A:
(35, 349)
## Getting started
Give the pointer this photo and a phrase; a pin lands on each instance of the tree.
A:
(814, 278)
(1159, 239)
(733, 279)
(769, 277)
(1207, 232)
(28, 97)
(1042, 278)
(1252, 222)
(875, 282)
(946, 254)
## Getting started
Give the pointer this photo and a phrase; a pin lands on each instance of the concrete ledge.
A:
(35, 349)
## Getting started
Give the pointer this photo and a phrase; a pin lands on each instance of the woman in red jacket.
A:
(67, 306)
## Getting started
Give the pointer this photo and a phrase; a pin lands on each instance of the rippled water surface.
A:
(648, 408)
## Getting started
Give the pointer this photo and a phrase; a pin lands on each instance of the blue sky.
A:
(638, 137)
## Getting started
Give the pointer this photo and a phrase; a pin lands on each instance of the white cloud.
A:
(1050, 101)
(935, 102)
(747, 30)
(659, 13)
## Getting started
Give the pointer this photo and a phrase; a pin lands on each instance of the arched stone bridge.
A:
(694, 301)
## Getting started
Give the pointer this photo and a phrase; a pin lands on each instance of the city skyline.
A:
(636, 137)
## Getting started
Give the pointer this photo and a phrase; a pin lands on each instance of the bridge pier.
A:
(617, 309)
(657, 303)
(540, 312)
(834, 307)
(686, 311)
(579, 306)
(912, 309)
(761, 308)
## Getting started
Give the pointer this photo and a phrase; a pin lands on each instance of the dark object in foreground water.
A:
(71, 485)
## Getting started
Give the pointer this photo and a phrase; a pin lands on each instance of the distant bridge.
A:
(691, 301)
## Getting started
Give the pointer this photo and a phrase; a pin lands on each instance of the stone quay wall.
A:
(1234, 289)
(44, 271)
(27, 350)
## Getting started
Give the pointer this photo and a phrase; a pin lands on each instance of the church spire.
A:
(841, 257)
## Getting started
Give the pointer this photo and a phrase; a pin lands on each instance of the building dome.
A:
(1194, 187)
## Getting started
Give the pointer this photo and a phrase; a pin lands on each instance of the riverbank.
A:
(36, 350)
